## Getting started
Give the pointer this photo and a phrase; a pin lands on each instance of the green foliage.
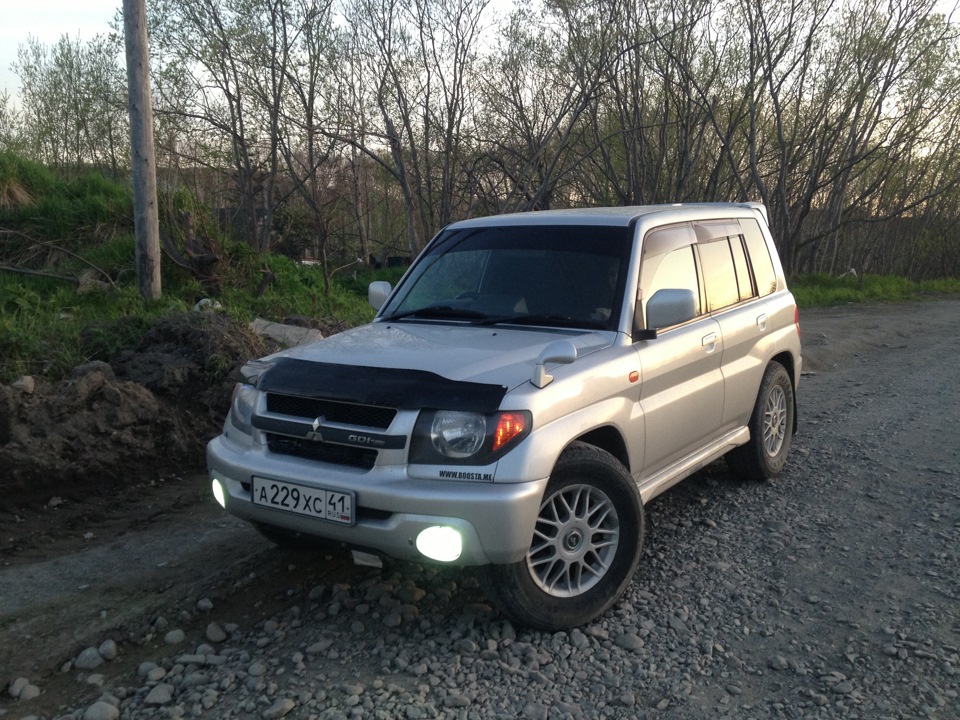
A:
(822, 290)
(296, 289)
(57, 209)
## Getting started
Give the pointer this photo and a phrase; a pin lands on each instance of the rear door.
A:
(733, 301)
(681, 396)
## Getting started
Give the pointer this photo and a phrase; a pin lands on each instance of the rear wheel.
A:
(771, 428)
(585, 546)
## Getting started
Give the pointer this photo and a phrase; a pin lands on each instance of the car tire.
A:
(771, 428)
(585, 549)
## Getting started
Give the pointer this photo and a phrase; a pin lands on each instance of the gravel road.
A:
(830, 592)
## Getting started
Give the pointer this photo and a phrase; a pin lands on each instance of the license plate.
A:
(318, 503)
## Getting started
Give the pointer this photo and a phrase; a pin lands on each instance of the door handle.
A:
(762, 322)
(709, 342)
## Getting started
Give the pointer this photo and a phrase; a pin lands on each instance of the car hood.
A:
(494, 355)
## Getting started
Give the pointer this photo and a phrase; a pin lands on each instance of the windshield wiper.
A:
(543, 319)
(444, 312)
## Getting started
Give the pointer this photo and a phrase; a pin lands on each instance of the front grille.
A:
(362, 458)
(333, 411)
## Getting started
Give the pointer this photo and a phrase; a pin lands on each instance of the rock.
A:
(286, 335)
(25, 384)
(207, 305)
(101, 710)
(108, 650)
(29, 692)
(17, 686)
(161, 694)
(279, 709)
(174, 637)
(215, 633)
(629, 642)
(456, 700)
(778, 662)
(204, 605)
(536, 711)
(88, 659)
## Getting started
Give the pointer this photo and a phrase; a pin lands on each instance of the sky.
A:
(47, 20)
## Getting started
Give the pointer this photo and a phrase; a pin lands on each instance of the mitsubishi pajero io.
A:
(530, 384)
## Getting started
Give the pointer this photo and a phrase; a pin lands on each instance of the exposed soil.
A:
(107, 520)
(139, 416)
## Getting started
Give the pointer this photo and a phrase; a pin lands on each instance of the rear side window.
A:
(763, 270)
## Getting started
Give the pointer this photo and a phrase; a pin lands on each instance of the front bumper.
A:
(495, 520)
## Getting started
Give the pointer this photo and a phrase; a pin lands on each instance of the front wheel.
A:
(771, 428)
(585, 547)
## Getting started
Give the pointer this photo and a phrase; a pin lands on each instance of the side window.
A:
(675, 269)
(744, 281)
(719, 275)
(759, 257)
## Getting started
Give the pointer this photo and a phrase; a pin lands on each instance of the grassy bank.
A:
(827, 290)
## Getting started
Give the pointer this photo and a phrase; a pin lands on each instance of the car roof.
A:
(614, 216)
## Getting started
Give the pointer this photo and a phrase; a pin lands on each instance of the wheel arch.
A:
(789, 364)
(606, 438)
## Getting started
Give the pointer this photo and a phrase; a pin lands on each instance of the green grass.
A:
(827, 290)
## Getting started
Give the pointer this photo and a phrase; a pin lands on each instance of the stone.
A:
(629, 642)
(17, 686)
(160, 695)
(778, 662)
(279, 709)
(215, 633)
(88, 659)
(108, 650)
(25, 384)
(101, 710)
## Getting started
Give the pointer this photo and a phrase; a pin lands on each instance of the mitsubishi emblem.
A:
(315, 435)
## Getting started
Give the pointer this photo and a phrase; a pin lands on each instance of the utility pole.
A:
(146, 217)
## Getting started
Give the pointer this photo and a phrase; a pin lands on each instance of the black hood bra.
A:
(384, 387)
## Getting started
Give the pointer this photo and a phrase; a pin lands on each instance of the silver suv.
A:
(531, 383)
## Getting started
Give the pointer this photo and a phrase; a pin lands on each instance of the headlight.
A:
(241, 409)
(452, 437)
(457, 434)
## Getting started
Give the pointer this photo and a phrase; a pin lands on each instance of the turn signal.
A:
(509, 425)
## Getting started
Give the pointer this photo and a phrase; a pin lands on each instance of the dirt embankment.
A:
(139, 415)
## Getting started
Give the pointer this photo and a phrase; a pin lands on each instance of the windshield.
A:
(560, 276)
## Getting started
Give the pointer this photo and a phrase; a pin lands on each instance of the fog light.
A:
(218, 494)
(440, 543)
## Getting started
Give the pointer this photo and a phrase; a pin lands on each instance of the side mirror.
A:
(669, 307)
(561, 351)
(378, 292)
